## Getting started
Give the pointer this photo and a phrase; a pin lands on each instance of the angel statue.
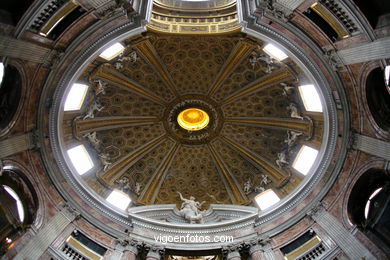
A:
(190, 210)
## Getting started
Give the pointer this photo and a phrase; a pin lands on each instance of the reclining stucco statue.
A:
(190, 210)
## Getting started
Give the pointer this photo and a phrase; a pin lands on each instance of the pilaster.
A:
(19, 49)
(16, 144)
(42, 240)
(376, 50)
(372, 146)
(341, 236)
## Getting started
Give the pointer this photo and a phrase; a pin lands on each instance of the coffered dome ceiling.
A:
(128, 121)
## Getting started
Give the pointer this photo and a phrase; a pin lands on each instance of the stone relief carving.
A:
(190, 210)
(294, 111)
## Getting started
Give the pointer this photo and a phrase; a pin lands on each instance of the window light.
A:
(275, 52)
(305, 159)
(80, 159)
(76, 97)
(266, 199)
(112, 51)
(119, 199)
(367, 208)
(19, 204)
(1, 72)
(311, 99)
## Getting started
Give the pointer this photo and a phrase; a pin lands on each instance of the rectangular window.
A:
(311, 99)
(112, 51)
(1, 72)
(305, 159)
(80, 159)
(75, 97)
(119, 199)
(275, 52)
(266, 199)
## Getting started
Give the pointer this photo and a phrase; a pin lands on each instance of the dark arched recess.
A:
(11, 227)
(10, 94)
(375, 224)
(378, 98)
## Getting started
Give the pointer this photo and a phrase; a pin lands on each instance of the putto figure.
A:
(190, 210)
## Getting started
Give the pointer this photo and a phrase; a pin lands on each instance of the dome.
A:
(135, 123)
(132, 105)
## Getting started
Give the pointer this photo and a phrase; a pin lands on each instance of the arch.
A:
(368, 206)
(378, 98)
(15, 186)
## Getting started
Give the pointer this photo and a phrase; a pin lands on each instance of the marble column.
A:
(256, 252)
(45, 236)
(14, 48)
(16, 144)
(341, 236)
(372, 146)
(130, 253)
(376, 50)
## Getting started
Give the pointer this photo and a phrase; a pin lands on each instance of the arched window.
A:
(10, 93)
(368, 206)
(18, 207)
(378, 98)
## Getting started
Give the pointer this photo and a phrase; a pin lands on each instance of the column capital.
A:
(255, 248)
(154, 252)
(233, 255)
(316, 211)
(69, 212)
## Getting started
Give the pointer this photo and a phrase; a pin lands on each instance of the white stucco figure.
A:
(247, 187)
(282, 159)
(190, 210)
(96, 106)
(294, 111)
